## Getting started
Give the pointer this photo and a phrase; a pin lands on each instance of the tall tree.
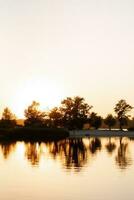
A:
(55, 117)
(110, 121)
(34, 117)
(95, 120)
(75, 112)
(8, 119)
(122, 109)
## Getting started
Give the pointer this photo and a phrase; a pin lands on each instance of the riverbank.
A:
(27, 133)
(41, 134)
(101, 133)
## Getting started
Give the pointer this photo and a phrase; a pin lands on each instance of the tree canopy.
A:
(8, 119)
(110, 121)
(75, 112)
(55, 118)
(121, 109)
(95, 120)
(34, 117)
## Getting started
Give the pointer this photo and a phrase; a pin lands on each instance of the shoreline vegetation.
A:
(71, 118)
(42, 134)
(29, 133)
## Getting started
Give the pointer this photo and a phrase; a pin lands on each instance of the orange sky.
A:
(53, 49)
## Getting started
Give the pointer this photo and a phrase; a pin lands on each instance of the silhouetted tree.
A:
(121, 109)
(8, 119)
(55, 117)
(110, 121)
(95, 120)
(75, 112)
(34, 117)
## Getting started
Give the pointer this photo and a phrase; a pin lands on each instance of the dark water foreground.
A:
(83, 169)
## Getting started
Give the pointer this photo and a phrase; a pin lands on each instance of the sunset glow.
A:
(44, 91)
(66, 99)
(53, 49)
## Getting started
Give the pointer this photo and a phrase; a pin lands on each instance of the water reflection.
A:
(32, 153)
(123, 157)
(95, 145)
(7, 148)
(110, 146)
(73, 154)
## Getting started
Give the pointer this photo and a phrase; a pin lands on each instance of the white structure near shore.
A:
(101, 133)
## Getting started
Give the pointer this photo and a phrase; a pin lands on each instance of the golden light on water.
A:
(64, 167)
(20, 149)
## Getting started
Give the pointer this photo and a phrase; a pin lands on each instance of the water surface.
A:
(83, 169)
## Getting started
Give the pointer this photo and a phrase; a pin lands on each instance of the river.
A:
(82, 169)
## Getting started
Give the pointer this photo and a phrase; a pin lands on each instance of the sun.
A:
(48, 93)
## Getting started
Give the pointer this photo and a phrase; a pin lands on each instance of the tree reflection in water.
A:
(32, 152)
(7, 148)
(95, 145)
(73, 154)
(110, 146)
(123, 159)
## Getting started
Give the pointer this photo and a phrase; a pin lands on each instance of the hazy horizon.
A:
(54, 49)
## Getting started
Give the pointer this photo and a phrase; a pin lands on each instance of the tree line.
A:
(73, 113)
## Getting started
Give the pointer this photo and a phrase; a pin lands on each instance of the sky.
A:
(53, 49)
